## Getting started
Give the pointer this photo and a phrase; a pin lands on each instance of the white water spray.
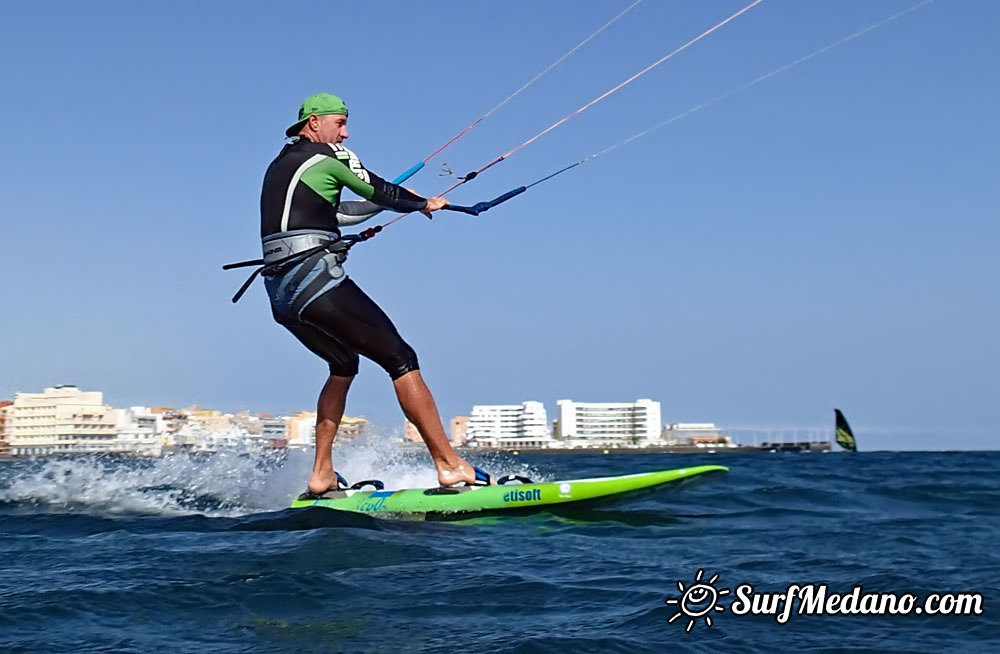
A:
(227, 483)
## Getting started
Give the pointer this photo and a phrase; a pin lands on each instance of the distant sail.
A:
(845, 438)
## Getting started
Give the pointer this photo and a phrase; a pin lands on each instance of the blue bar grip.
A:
(480, 207)
(472, 211)
(508, 195)
(409, 173)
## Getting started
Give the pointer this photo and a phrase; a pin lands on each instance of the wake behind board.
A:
(491, 499)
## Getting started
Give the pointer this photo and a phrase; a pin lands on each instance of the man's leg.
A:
(329, 411)
(419, 407)
(354, 320)
(343, 363)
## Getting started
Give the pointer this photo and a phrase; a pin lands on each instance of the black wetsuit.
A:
(314, 299)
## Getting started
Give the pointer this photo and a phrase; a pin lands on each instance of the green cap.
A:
(321, 104)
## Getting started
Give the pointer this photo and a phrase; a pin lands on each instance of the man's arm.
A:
(355, 212)
(372, 187)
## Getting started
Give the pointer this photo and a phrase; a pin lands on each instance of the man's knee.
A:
(345, 366)
(402, 361)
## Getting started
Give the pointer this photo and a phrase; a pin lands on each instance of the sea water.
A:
(199, 554)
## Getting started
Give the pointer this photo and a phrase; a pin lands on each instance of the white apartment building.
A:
(61, 419)
(591, 424)
(140, 431)
(508, 425)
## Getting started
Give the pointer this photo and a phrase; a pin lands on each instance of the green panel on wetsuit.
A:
(328, 176)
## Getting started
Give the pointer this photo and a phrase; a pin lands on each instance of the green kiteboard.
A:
(473, 499)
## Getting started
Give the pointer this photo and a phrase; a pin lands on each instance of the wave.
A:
(224, 484)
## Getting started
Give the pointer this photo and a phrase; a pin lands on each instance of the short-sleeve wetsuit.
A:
(314, 299)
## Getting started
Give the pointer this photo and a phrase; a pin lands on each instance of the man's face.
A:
(331, 128)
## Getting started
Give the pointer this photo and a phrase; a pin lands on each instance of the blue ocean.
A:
(198, 554)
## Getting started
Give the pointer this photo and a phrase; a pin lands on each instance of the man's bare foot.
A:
(323, 481)
(461, 470)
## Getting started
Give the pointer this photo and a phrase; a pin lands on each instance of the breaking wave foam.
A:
(227, 483)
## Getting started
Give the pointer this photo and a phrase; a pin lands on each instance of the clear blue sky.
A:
(828, 238)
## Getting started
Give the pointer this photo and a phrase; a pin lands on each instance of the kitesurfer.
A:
(312, 296)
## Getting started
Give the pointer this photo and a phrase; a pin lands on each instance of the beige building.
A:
(302, 429)
(61, 419)
(4, 413)
(459, 426)
(351, 428)
(411, 433)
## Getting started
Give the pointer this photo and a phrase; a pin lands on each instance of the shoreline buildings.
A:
(607, 426)
(64, 420)
(578, 425)
(705, 433)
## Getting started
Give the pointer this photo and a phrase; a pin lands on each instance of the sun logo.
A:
(698, 600)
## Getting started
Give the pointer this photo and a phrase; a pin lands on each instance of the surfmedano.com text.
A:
(816, 599)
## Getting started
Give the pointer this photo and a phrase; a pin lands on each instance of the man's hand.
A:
(434, 204)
